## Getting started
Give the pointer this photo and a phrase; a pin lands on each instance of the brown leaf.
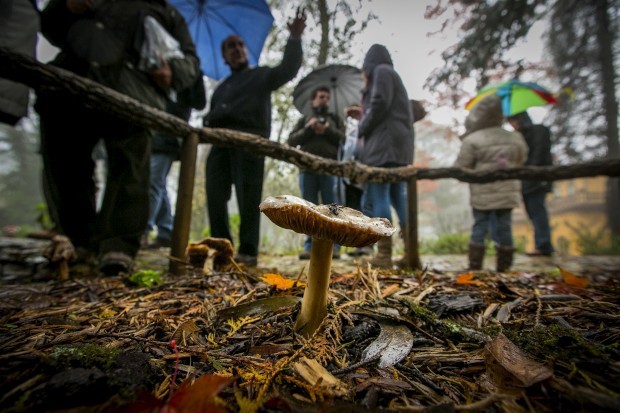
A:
(572, 279)
(509, 367)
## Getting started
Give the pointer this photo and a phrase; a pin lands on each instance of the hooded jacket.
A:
(487, 147)
(386, 127)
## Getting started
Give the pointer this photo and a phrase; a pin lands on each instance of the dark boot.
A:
(476, 256)
(383, 257)
(504, 257)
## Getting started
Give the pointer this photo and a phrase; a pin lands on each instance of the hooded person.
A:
(386, 140)
(486, 146)
(538, 139)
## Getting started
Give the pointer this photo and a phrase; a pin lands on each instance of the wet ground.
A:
(23, 257)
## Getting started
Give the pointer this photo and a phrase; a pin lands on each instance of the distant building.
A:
(576, 211)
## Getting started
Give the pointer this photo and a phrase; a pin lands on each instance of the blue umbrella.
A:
(212, 21)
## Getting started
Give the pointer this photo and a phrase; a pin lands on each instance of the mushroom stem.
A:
(314, 302)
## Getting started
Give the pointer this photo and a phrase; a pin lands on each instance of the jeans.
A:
(537, 211)
(160, 212)
(379, 197)
(313, 186)
(499, 221)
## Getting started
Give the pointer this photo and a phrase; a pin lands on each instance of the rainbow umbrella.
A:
(516, 96)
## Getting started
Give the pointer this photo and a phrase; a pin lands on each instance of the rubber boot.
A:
(383, 257)
(504, 257)
(476, 256)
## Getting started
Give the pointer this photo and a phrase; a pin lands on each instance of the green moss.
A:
(445, 328)
(554, 341)
(84, 356)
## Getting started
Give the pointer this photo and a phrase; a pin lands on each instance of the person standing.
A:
(103, 41)
(320, 134)
(242, 102)
(386, 134)
(19, 25)
(166, 149)
(486, 147)
(538, 139)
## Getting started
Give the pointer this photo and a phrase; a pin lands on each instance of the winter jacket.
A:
(386, 127)
(486, 147)
(104, 45)
(325, 145)
(242, 101)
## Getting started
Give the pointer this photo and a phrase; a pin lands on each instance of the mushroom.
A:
(326, 224)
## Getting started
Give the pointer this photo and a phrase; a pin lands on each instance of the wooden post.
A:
(411, 234)
(183, 210)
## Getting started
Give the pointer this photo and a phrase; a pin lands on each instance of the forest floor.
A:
(543, 337)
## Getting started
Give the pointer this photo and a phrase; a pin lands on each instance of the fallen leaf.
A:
(572, 279)
(393, 344)
(280, 282)
(315, 374)
(196, 397)
(509, 367)
(468, 278)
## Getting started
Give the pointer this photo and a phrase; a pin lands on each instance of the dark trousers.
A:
(537, 211)
(69, 132)
(227, 167)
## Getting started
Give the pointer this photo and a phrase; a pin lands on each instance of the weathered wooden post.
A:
(183, 210)
(411, 233)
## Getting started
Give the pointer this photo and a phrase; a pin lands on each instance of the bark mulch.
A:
(397, 340)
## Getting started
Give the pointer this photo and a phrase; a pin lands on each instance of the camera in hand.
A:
(320, 113)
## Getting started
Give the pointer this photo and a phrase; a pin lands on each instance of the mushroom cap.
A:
(345, 226)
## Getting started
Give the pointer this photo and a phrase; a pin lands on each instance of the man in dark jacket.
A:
(320, 134)
(538, 139)
(242, 102)
(102, 41)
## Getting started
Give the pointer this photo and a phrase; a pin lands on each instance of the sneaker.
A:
(114, 263)
(249, 260)
(304, 255)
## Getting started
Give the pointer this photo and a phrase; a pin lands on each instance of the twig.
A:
(356, 365)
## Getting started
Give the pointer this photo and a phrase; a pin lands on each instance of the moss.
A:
(84, 356)
(554, 341)
(446, 328)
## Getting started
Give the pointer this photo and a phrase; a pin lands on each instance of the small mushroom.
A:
(60, 252)
(326, 224)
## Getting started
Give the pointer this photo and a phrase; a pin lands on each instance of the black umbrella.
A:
(344, 82)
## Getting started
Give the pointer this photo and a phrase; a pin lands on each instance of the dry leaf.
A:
(468, 278)
(280, 282)
(572, 279)
(317, 375)
(509, 367)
